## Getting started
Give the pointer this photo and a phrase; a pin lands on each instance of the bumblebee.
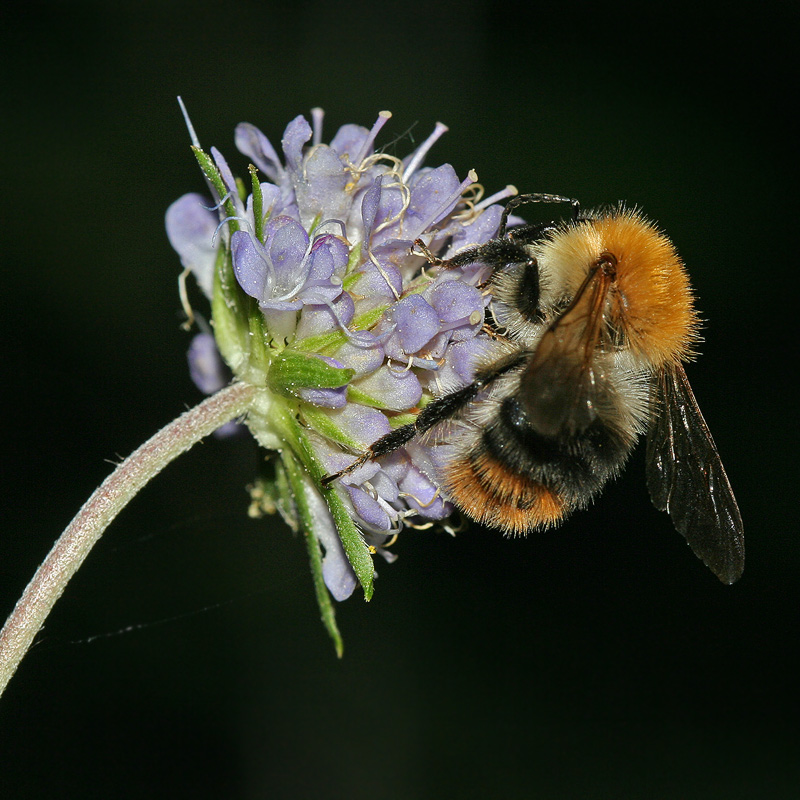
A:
(593, 318)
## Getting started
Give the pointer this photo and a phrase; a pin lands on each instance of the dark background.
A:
(598, 661)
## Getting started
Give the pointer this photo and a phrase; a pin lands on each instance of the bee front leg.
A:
(495, 254)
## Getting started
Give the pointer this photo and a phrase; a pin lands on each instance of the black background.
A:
(599, 661)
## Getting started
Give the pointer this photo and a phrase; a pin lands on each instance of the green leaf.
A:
(292, 371)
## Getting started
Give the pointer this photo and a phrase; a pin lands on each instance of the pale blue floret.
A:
(190, 229)
(340, 222)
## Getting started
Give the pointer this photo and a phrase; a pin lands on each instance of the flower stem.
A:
(108, 500)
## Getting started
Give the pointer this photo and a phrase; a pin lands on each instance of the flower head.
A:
(319, 297)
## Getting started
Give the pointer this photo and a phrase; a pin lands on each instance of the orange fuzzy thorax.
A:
(650, 303)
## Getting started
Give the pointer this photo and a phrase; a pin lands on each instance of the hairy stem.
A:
(108, 500)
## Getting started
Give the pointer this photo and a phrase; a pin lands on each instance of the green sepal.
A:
(212, 173)
(292, 371)
(399, 420)
(295, 475)
(228, 303)
(417, 285)
(350, 280)
(258, 203)
(329, 342)
(259, 349)
(238, 322)
(355, 548)
(241, 189)
(316, 419)
(312, 228)
(353, 261)
(355, 395)
(231, 306)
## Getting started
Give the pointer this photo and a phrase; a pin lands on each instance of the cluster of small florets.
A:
(327, 251)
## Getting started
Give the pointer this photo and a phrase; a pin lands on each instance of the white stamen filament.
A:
(405, 193)
(226, 221)
(417, 526)
(391, 512)
(419, 154)
(358, 338)
(405, 369)
(384, 275)
(342, 227)
(184, 296)
(217, 206)
(317, 115)
(305, 266)
(383, 118)
(509, 191)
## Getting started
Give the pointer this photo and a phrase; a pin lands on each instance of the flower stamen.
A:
(225, 221)
(317, 115)
(419, 154)
(184, 297)
(509, 191)
(384, 275)
(383, 118)
(419, 502)
(218, 206)
(420, 526)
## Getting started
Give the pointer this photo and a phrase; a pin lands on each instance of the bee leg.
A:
(536, 197)
(383, 446)
(435, 412)
(508, 246)
(496, 253)
(500, 255)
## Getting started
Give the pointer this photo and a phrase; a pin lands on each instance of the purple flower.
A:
(206, 367)
(190, 228)
(321, 301)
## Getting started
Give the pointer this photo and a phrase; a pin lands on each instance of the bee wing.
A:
(685, 477)
(561, 386)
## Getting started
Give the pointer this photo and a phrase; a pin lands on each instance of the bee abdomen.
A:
(486, 490)
(518, 479)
